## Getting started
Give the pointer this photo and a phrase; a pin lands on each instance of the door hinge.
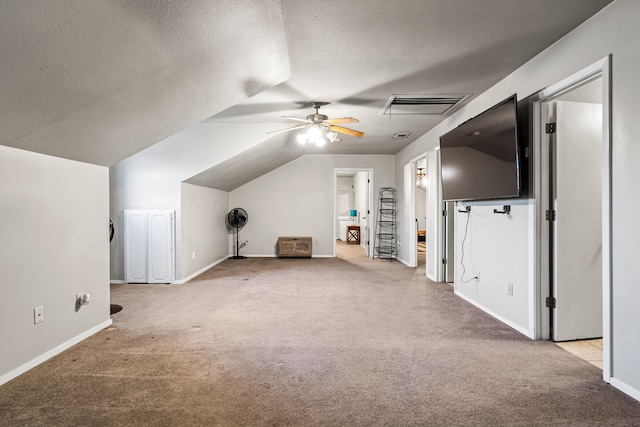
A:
(550, 128)
(550, 302)
(444, 212)
(444, 261)
(550, 215)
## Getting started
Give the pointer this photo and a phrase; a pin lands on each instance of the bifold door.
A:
(148, 246)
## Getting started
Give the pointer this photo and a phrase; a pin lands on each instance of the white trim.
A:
(523, 331)
(625, 388)
(401, 260)
(432, 278)
(607, 223)
(412, 213)
(533, 271)
(435, 186)
(370, 215)
(53, 352)
(592, 71)
(409, 180)
(202, 270)
(252, 256)
(118, 282)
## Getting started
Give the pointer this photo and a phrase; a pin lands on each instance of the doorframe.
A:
(410, 189)
(370, 217)
(411, 215)
(601, 68)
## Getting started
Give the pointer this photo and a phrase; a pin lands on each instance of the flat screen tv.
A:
(480, 158)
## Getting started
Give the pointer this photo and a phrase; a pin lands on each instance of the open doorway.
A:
(432, 216)
(573, 197)
(352, 208)
(575, 180)
(421, 211)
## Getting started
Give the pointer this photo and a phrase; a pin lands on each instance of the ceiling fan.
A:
(320, 128)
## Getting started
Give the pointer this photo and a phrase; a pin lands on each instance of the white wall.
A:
(55, 243)
(151, 179)
(204, 234)
(496, 248)
(297, 199)
(509, 243)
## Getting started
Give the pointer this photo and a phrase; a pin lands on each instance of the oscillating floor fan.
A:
(237, 218)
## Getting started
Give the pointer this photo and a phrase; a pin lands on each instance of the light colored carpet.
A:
(344, 341)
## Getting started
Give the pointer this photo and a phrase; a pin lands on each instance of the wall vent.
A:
(422, 104)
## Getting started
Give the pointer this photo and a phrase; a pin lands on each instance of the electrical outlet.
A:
(38, 314)
(201, 252)
(510, 289)
(193, 255)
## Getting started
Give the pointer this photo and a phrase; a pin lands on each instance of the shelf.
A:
(385, 246)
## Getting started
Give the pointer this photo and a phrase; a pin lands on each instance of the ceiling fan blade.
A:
(297, 119)
(342, 120)
(275, 132)
(347, 131)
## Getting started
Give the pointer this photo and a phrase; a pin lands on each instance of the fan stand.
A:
(237, 255)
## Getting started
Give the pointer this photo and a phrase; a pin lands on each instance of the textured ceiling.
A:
(98, 81)
(356, 54)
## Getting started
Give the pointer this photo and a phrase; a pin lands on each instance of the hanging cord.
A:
(466, 230)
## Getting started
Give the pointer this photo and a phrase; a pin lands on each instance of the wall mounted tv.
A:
(480, 158)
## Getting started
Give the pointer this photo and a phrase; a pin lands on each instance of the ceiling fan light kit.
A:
(319, 128)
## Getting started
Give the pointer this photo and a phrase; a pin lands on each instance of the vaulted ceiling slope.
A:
(356, 54)
(97, 81)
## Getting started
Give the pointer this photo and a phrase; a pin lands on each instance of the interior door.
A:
(576, 198)
(365, 230)
(135, 246)
(160, 236)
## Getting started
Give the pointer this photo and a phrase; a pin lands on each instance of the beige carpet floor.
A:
(345, 341)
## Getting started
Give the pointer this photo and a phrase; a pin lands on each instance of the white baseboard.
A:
(405, 262)
(202, 270)
(53, 352)
(625, 388)
(527, 333)
(276, 256)
(118, 282)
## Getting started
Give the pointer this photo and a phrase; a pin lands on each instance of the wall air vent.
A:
(422, 104)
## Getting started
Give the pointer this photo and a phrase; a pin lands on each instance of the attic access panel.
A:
(422, 104)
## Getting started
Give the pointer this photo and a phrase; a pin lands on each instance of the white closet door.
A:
(160, 246)
(135, 246)
(148, 246)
